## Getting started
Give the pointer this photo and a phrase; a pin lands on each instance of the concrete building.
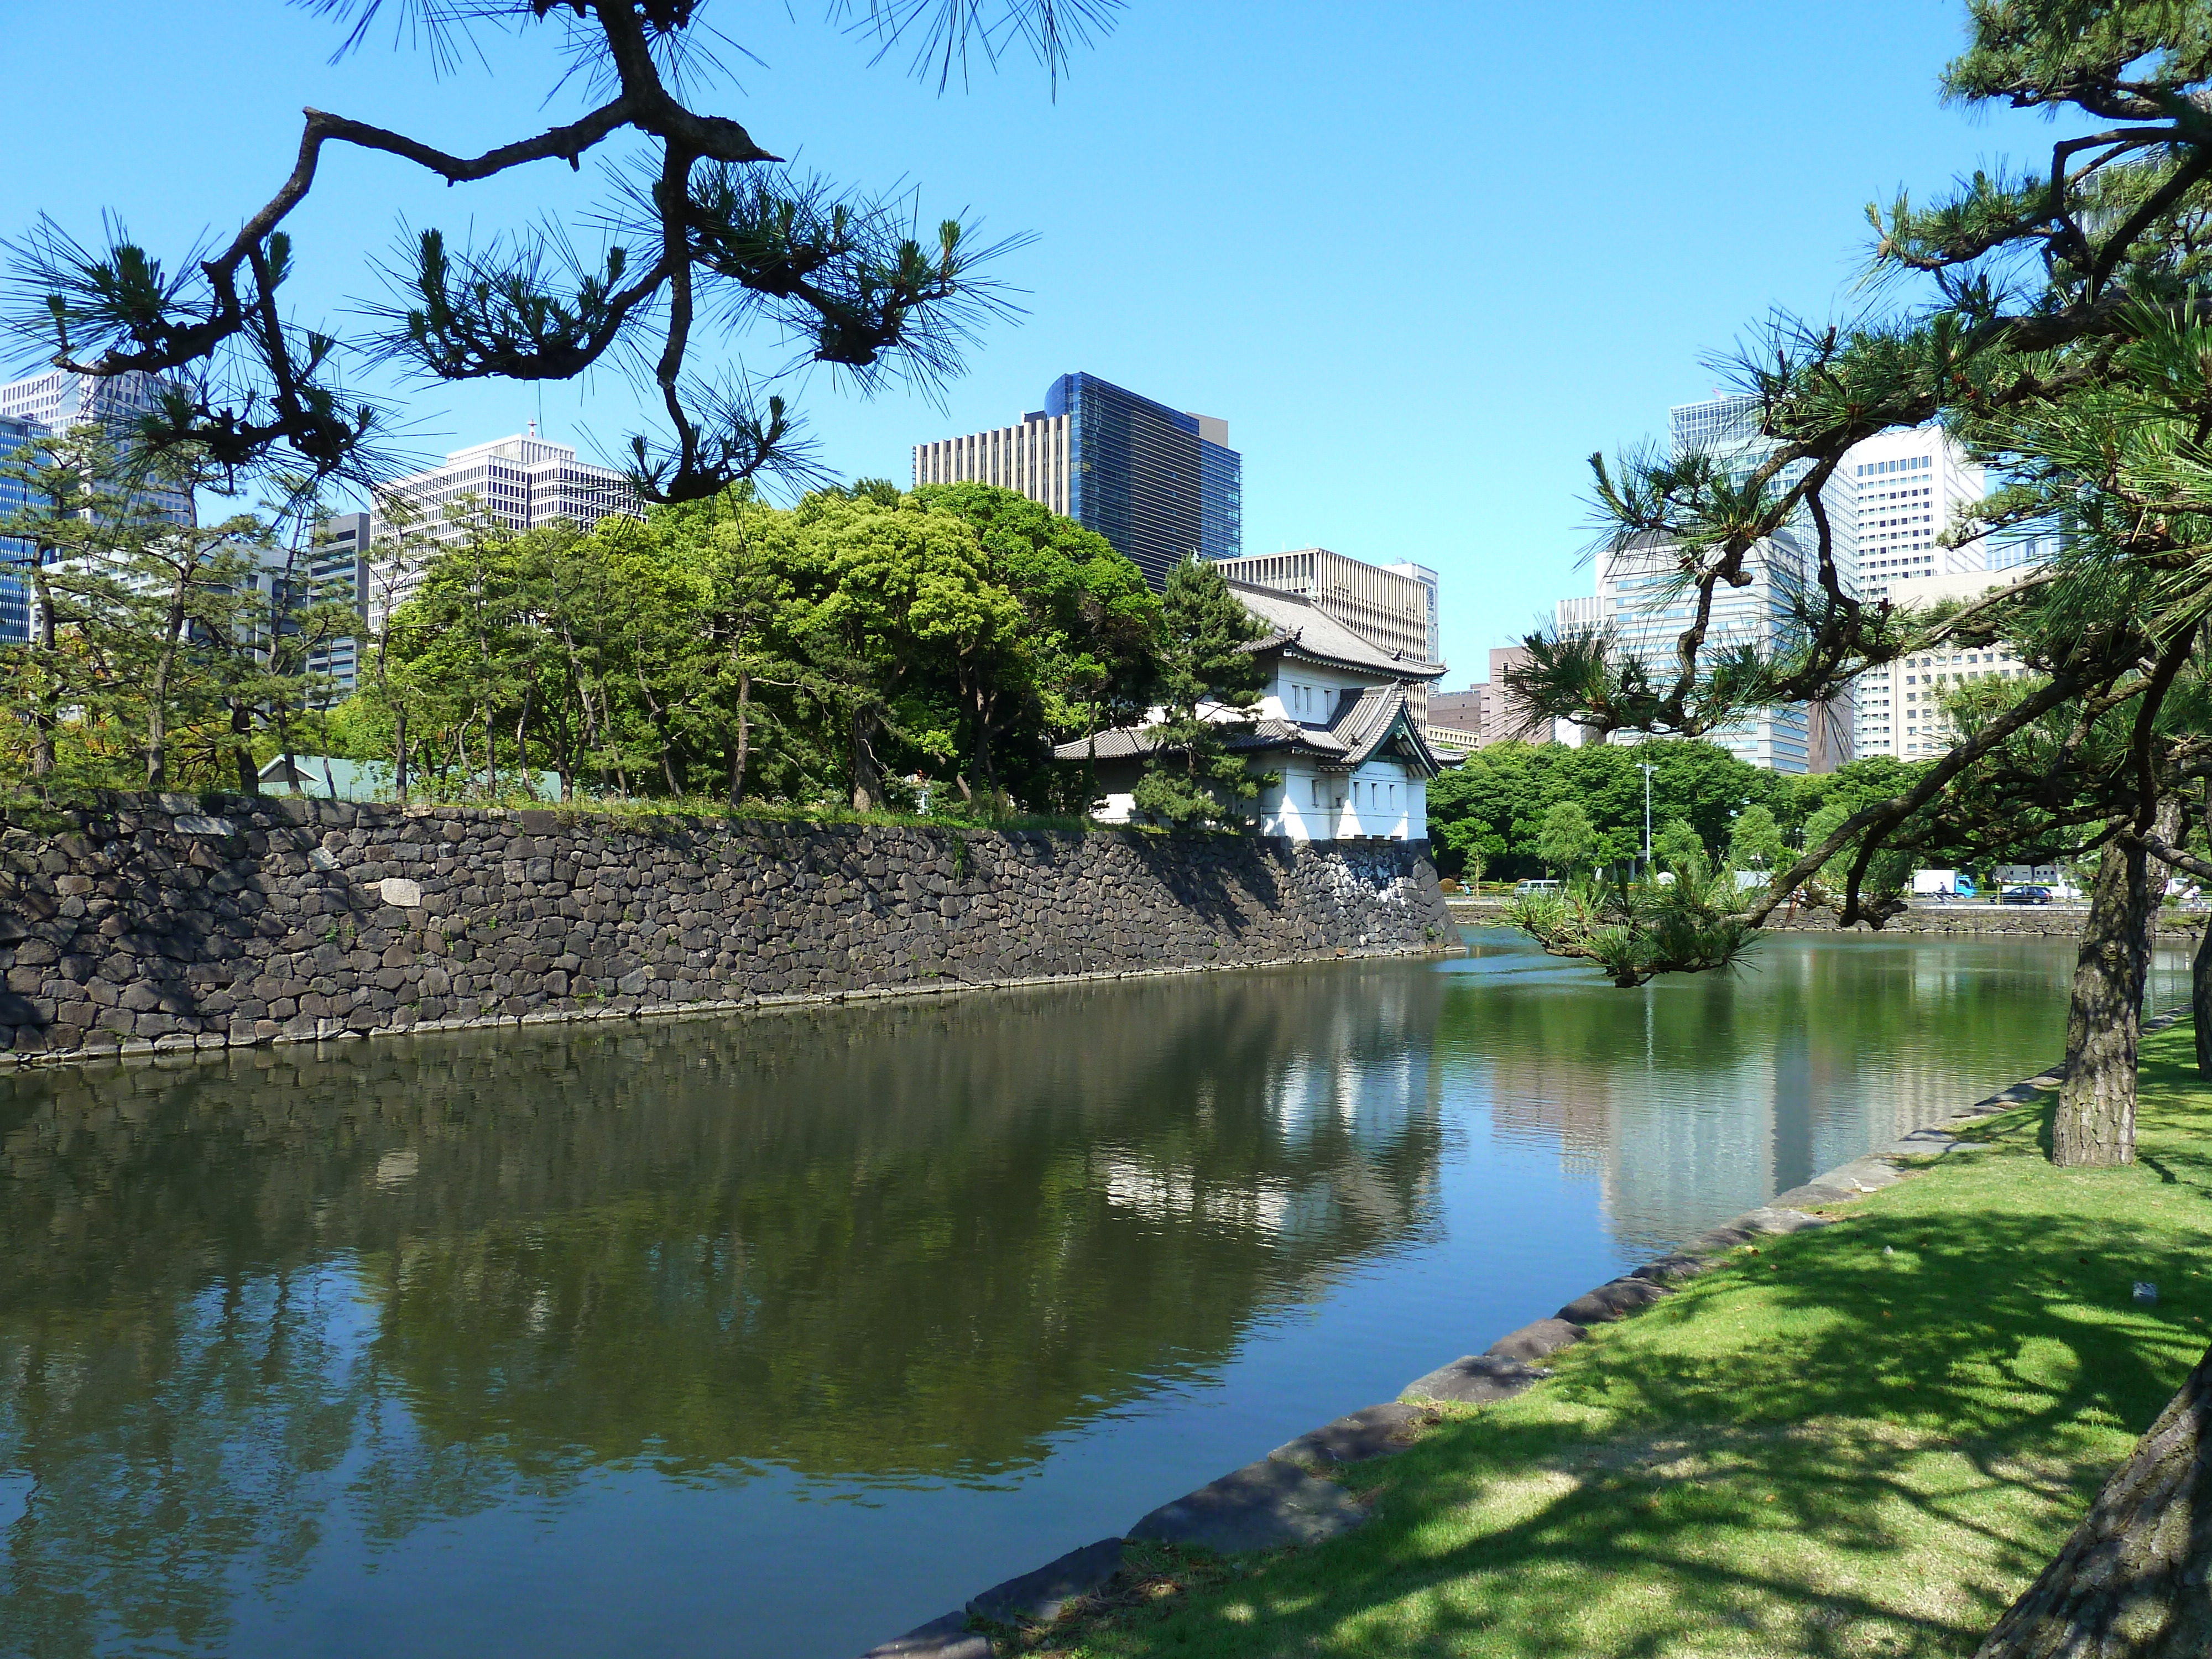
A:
(521, 483)
(1160, 484)
(1335, 725)
(340, 558)
(1486, 712)
(1900, 707)
(58, 401)
(1886, 505)
(1391, 606)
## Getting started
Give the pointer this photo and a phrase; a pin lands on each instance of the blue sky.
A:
(1423, 259)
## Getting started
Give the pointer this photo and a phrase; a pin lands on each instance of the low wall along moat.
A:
(160, 922)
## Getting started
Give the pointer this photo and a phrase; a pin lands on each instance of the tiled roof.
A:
(1294, 624)
(1362, 722)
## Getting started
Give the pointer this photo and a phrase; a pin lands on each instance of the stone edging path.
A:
(1286, 1496)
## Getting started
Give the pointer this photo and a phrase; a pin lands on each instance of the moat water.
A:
(776, 1336)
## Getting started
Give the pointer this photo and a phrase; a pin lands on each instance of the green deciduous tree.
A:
(1755, 842)
(1566, 840)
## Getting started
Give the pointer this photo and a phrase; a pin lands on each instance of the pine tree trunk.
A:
(2096, 1120)
(2130, 1582)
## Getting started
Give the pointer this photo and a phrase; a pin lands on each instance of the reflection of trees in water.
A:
(910, 1241)
(1697, 1096)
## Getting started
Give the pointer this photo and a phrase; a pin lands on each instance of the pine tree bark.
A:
(2096, 1120)
(2131, 1583)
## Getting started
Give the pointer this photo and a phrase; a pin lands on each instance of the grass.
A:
(1863, 1440)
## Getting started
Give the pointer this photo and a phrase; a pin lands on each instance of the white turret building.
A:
(1335, 725)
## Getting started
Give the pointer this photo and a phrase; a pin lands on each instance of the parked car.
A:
(2027, 893)
(1529, 889)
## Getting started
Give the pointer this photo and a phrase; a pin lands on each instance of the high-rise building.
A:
(15, 554)
(521, 483)
(1886, 504)
(1160, 484)
(1391, 606)
(1906, 489)
(58, 400)
(1900, 706)
(339, 558)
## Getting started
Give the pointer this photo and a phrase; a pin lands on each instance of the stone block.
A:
(1377, 1431)
(401, 892)
(1039, 1596)
(945, 1637)
(1477, 1380)
(1263, 1506)
(1609, 1301)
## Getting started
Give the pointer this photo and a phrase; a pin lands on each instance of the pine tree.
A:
(1209, 685)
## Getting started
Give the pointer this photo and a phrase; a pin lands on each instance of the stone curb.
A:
(1282, 1500)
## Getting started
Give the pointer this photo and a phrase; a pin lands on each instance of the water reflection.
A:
(570, 1333)
(1699, 1096)
(893, 1243)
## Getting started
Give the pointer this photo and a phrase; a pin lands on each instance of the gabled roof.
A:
(1364, 723)
(1296, 626)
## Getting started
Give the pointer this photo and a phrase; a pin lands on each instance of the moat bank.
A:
(172, 922)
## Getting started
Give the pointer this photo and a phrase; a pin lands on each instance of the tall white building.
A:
(58, 400)
(1886, 505)
(521, 482)
(1900, 706)
(1906, 489)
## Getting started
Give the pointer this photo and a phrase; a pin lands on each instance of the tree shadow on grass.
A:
(1821, 1450)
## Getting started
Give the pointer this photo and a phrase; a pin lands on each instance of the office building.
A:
(1160, 484)
(519, 483)
(15, 555)
(1488, 712)
(58, 401)
(338, 565)
(1391, 606)
(1900, 707)
(1907, 489)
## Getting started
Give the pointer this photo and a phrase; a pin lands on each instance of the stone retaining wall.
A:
(172, 921)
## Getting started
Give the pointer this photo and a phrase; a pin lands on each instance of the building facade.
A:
(521, 482)
(1335, 726)
(1901, 706)
(15, 555)
(338, 565)
(1160, 484)
(1391, 606)
(58, 401)
(1889, 505)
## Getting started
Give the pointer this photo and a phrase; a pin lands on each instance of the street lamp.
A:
(1648, 769)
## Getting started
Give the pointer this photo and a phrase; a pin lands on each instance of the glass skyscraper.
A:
(15, 553)
(1159, 484)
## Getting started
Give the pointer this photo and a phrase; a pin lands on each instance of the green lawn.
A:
(1863, 1440)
